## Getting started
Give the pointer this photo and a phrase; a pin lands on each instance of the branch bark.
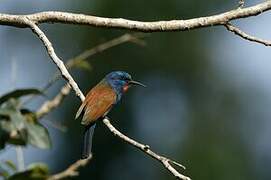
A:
(71, 171)
(120, 23)
(31, 21)
(51, 52)
(246, 36)
(49, 105)
(135, 38)
(174, 25)
(146, 149)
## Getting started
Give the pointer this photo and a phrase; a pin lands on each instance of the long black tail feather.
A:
(87, 141)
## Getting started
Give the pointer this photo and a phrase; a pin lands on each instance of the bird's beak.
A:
(136, 83)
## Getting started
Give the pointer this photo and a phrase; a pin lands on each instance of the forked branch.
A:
(120, 23)
(71, 171)
(146, 149)
(246, 36)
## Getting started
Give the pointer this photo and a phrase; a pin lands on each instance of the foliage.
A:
(36, 171)
(82, 64)
(6, 168)
(19, 126)
(18, 93)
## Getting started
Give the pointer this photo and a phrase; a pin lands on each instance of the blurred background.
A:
(207, 104)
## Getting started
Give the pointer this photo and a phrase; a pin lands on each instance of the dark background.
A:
(206, 105)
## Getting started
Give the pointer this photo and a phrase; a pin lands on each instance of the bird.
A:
(99, 101)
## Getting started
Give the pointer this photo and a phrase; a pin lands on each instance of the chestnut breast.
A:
(98, 102)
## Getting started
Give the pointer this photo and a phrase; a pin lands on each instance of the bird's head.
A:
(120, 81)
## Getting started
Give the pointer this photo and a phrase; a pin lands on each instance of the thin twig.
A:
(72, 170)
(51, 52)
(119, 23)
(47, 106)
(97, 49)
(135, 38)
(102, 47)
(161, 26)
(146, 149)
(55, 102)
(241, 3)
(67, 76)
(246, 36)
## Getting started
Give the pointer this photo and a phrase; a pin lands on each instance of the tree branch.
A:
(55, 102)
(241, 3)
(246, 36)
(49, 105)
(72, 170)
(32, 20)
(97, 49)
(119, 23)
(146, 149)
(104, 46)
(51, 52)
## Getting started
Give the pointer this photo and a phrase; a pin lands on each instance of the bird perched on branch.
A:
(99, 102)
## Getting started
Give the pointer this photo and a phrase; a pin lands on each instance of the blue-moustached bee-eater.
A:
(100, 100)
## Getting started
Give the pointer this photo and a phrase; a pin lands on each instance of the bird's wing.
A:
(91, 94)
(98, 102)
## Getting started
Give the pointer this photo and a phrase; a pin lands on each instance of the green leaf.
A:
(3, 172)
(21, 128)
(11, 165)
(17, 119)
(39, 166)
(18, 93)
(5, 112)
(37, 134)
(12, 127)
(4, 137)
(7, 168)
(37, 171)
(82, 64)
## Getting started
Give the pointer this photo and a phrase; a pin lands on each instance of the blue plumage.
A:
(118, 80)
(99, 102)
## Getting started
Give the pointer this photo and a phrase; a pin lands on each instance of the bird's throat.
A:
(125, 88)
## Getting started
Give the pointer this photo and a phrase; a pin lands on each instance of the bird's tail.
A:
(87, 142)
